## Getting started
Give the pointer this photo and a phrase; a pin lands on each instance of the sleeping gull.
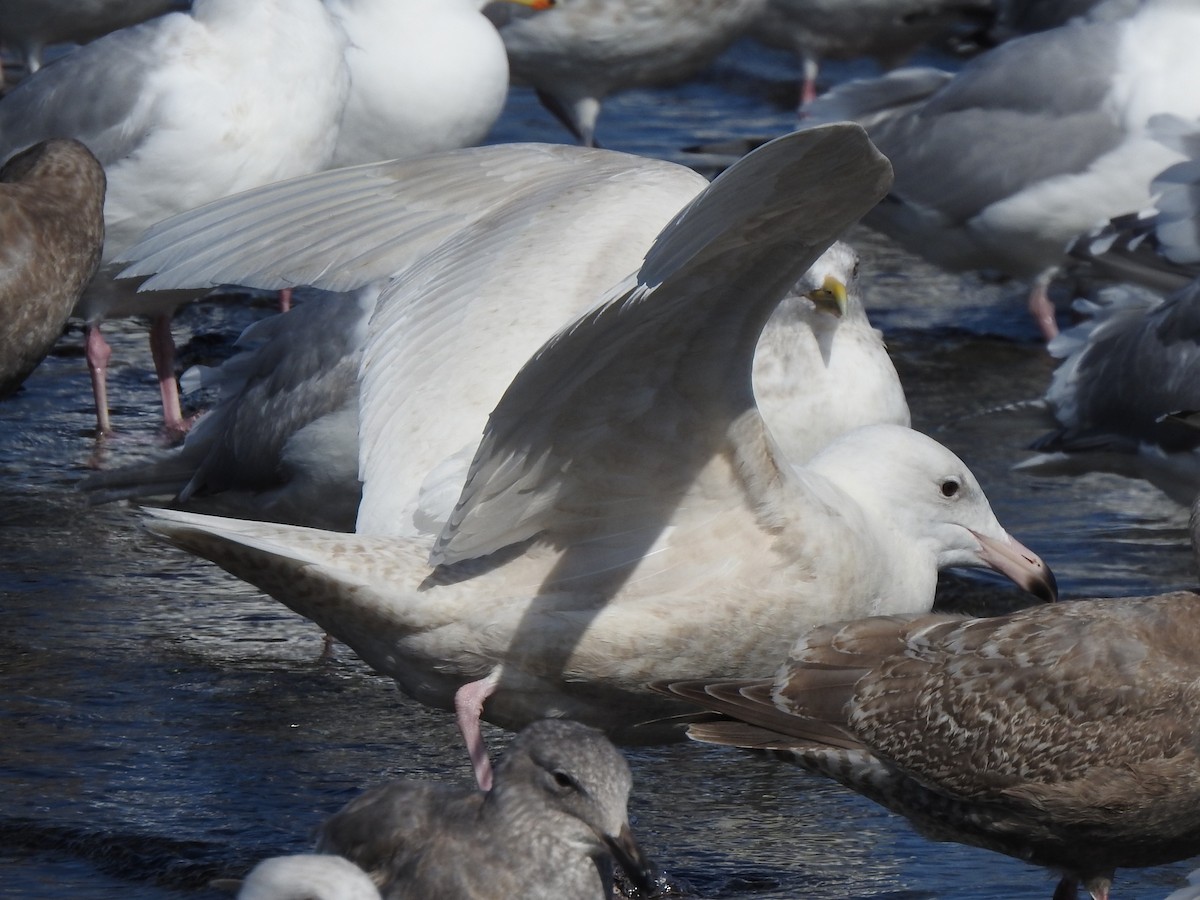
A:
(282, 442)
(423, 76)
(1062, 735)
(1031, 143)
(627, 516)
(581, 51)
(551, 826)
(51, 231)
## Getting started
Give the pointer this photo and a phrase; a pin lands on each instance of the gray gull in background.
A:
(579, 52)
(1126, 373)
(282, 442)
(51, 232)
(1062, 735)
(888, 30)
(551, 826)
(1032, 143)
(30, 25)
(627, 516)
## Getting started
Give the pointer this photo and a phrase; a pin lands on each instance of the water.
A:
(162, 724)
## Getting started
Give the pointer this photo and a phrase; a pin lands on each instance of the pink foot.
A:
(285, 300)
(468, 707)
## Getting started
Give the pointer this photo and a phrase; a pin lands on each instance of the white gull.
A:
(627, 515)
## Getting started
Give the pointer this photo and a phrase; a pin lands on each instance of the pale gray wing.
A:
(992, 110)
(650, 384)
(342, 229)
(96, 94)
(451, 332)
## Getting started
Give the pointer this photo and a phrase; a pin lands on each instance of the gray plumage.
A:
(1124, 373)
(282, 442)
(549, 828)
(1061, 735)
(1157, 247)
(51, 232)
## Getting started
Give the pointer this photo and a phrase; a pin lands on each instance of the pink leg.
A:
(468, 707)
(1042, 309)
(98, 353)
(285, 300)
(808, 81)
(162, 348)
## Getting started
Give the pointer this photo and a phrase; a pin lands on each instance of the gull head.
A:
(573, 778)
(928, 504)
(830, 282)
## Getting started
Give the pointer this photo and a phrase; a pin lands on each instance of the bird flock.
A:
(597, 449)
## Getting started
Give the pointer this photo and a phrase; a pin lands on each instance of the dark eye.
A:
(950, 487)
(563, 780)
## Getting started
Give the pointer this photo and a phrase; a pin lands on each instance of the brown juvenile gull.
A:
(1061, 735)
(551, 827)
(628, 515)
(51, 232)
(1030, 144)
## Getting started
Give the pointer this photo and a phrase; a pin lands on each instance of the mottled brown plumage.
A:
(51, 232)
(1062, 735)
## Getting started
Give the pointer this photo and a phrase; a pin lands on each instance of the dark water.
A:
(162, 724)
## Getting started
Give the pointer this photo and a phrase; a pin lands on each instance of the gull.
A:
(189, 108)
(627, 514)
(1127, 371)
(423, 76)
(593, 213)
(1030, 144)
(551, 826)
(282, 442)
(51, 231)
(1157, 247)
(1062, 735)
(579, 52)
(30, 25)
(181, 110)
(888, 30)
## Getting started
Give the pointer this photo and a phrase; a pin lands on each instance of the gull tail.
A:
(350, 585)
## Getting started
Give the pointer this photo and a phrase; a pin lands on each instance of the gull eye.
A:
(950, 487)
(563, 779)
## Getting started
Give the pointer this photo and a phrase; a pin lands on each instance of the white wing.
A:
(621, 410)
